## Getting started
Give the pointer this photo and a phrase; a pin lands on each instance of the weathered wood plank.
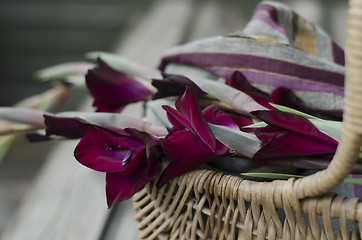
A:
(67, 200)
(50, 210)
(215, 18)
(149, 41)
(87, 15)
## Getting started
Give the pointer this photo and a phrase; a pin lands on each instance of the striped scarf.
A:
(277, 48)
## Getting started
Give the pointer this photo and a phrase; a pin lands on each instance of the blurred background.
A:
(40, 33)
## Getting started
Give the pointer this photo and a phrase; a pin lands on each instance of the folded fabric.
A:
(277, 48)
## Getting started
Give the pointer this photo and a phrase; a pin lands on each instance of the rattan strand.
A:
(205, 204)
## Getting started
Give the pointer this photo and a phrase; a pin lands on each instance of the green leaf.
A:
(244, 143)
(232, 97)
(22, 115)
(331, 128)
(62, 70)
(257, 125)
(291, 110)
(156, 114)
(353, 180)
(118, 120)
(76, 80)
(6, 142)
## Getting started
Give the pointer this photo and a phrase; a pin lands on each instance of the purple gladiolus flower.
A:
(113, 90)
(291, 135)
(129, 157)
(214, 116)
(173, 85)
(241, 120)
(72, 128)
(191, 143)
(238, 80)
(281, 96)
(69, 127)
(286, 97)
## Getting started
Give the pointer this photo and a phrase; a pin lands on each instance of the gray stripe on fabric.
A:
(320, 100)
(260, 28)
(259, 48)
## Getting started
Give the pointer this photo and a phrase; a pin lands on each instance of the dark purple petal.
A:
(104, 107)
(177, 119)
(238, 80)
(102, 151)
(173, 85)
(112, 90)
(293, 145)
(37, 137)
(188, 106)
(240, 119)
(63, 126)
(267, 133)
(186, 152)
(221, 149)
(292, 122)
(214, 116)
(124, 138)
(120, 187)
(286, 97)
(153, 147)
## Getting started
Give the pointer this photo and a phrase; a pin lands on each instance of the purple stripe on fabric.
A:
(268, 14)
(357, 187)
(238, 60)
(338, 54)
(270, 9)
(265, 78)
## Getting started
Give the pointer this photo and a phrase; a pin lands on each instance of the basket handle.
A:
(350, 144)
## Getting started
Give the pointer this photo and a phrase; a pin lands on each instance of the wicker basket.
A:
(204, 204)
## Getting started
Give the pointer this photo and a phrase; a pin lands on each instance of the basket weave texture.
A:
(205, 204)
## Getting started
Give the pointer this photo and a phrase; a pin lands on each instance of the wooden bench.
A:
(67, 200)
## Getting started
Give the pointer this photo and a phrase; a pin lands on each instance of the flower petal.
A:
(177, 119)
(112, 89)
(238, 80)
(286, 97)
(173, 85)
(241, 120)
(63, 126)
(104, 107)
(293, 145)
(267, 133)
(153, 147)
(293, 123)
(121, 187)
(188, 106)
(102, 151)
(186, 152)
(214, 116)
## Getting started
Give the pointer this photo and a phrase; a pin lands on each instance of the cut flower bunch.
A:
(247, 102)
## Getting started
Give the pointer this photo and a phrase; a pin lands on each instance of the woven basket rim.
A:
(229, 185)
